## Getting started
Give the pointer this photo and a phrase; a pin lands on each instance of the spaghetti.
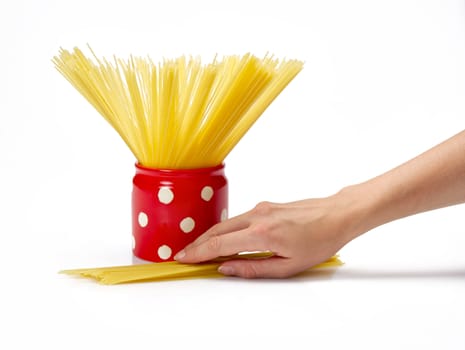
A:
(169, 270)
(179, 114)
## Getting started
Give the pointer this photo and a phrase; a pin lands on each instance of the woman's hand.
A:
(300, 234)
(305, 233)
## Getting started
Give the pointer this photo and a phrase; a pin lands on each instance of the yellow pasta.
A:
(169, 270)
(178, 114)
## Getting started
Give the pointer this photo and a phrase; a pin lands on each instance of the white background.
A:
(383, 81)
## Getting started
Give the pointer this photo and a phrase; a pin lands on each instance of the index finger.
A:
(221, 245)
(236, 223)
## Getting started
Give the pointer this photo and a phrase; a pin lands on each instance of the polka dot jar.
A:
(171, 208)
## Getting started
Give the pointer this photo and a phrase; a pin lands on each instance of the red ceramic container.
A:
(171, 208)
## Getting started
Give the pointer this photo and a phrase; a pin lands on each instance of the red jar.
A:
(171, 208)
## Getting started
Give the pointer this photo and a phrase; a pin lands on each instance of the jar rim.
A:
(188, 171)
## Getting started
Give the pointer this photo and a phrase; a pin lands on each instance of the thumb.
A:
(274, 267)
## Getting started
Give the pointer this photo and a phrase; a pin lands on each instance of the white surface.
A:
(383, 81)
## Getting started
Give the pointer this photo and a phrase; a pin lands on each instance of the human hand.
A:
(305, 233)
(299, 234)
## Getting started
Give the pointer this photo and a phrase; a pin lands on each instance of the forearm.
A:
(433, 180)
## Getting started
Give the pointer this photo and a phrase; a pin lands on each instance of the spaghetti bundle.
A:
(169, 270)
(179, 114)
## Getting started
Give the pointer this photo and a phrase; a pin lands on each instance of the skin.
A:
(304, 233)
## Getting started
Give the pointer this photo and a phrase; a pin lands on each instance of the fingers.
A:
(275, 267)
(236, 223)
(222, 245)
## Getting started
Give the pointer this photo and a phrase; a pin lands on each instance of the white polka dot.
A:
(165, 195)
(224, 214)
(143, 219)
(133, 242)
(187, 225)
(164, 252)
(207, 193)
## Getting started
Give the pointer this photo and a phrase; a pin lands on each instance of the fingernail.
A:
(226, 270)
(181, 254)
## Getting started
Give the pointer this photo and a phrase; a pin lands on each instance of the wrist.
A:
(361, 209)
